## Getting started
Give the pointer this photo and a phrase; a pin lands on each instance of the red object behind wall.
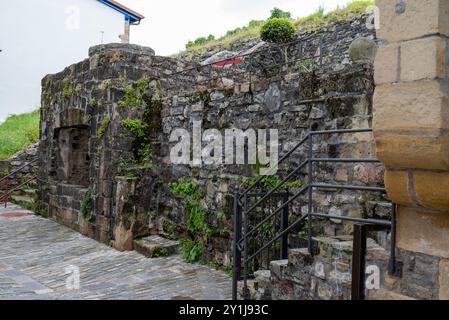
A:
(227, 62)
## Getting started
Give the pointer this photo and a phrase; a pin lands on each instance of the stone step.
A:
(24, 201)
(26, 192)
(156, 246)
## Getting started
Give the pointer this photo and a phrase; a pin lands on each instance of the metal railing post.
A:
(310, 204)
(237, 255)
(245, 248)
(284, 226)
(358, 262)
(392, 263)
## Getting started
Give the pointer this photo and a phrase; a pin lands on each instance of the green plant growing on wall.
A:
(143, 85)
(87, 207)
(104, 125)
(93, 102)
(196, 225)
(107, 85)
(131, 98)
(67, 91)
(135, 126)
(47, 97)
(221, 216)
(144, 129)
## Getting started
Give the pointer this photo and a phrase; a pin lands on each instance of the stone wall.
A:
(95, 111)
(411, 130)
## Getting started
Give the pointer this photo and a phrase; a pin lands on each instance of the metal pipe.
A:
(245, 248)
(284, 225)
(360, 220)
(347, 187)
(236, 252)
(310, 204)
(341, 131)
(346, 160)
(392, 263)
(358, 262)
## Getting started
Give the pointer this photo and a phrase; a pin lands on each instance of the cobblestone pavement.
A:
(35, 252)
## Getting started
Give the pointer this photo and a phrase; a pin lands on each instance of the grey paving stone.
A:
(35, 252)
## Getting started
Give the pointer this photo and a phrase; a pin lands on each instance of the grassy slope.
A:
(316, 20)
(17, 133)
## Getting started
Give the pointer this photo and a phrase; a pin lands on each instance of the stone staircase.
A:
(326, 276)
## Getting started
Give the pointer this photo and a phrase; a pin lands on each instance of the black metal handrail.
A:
(242, 210)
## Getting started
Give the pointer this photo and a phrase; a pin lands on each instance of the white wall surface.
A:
(38, 37)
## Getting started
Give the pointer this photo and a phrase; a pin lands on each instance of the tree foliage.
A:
(278, 30)
(278, 13)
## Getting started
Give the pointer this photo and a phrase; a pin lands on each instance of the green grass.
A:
(17, 133)
(313, 21)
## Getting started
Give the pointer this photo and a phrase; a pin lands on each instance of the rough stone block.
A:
(432, 189)
(397, 183)
(423, 231)
(414, 151)
(444, 279)
(386, 64)
(404, 20)
(362, 50)
(423, 59)
(421, 105)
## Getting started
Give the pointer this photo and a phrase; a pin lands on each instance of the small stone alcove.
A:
(72, 155)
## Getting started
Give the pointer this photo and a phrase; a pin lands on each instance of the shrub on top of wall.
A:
(278, 30)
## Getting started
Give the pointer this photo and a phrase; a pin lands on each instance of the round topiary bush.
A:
(278, 30)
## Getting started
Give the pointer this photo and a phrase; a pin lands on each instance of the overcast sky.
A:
(170, 24)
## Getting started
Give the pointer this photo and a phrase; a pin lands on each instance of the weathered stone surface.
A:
(444, 280)
(155, 247)
(404, 20)
(424, 232)
(414, 106)
(386, 64)
(423, 59)
(362, 50)
(432, 189)
(397, 185)
(430, 151)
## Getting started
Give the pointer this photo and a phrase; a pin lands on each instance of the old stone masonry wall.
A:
(105, 169)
